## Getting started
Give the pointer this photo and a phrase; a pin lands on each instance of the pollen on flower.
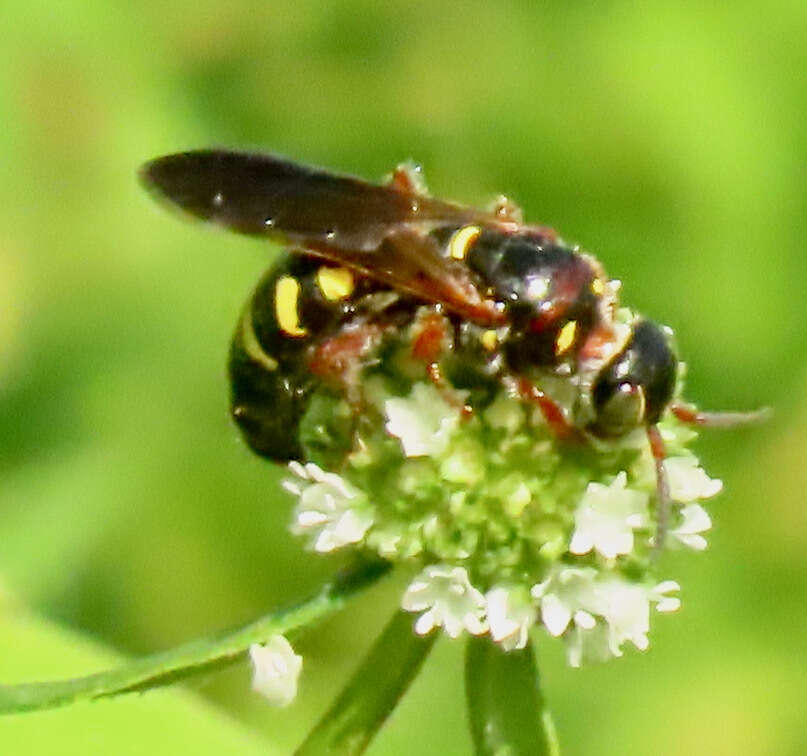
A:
(276, 669)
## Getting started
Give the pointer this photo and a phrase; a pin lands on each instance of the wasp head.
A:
(637, 385)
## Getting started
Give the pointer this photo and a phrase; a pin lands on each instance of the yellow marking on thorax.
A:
(598, 286)
(489, 339)
(335, 283)
(461, 241)
(287, 292)
(250, 341)
(565, 338)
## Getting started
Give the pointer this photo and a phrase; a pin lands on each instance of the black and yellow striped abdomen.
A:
(299, 303)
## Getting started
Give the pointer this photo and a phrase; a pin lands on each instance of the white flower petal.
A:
(449, 599)
(606, 518)
(510, 614)
(276, 669)
(688, 482)
(425, 623)
(555, 614)
(584, 620)
(331, 510)
(695, 521)
(665, 603)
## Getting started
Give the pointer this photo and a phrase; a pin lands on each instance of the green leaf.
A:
(507, 711)
(191, 658)
(372, 693)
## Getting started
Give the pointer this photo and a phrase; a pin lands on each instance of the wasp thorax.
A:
(548, 290)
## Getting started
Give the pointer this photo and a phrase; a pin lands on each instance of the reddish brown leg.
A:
(338, 360)
(508, 211)
(692, 416)
(430, 343)
(552, 413)
(407, 178)
(662, 489)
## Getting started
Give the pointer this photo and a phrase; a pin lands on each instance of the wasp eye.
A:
(619, 410)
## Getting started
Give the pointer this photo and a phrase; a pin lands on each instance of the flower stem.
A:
(507, 711)
(195, 657)
(372, 693)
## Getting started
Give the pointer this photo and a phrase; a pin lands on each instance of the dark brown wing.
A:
(380, 231)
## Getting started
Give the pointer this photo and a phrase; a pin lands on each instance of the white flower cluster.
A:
(586, 527)
(596, 612)
(607, 515)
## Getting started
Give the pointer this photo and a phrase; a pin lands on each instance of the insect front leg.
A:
(551, 410)
(659, 452)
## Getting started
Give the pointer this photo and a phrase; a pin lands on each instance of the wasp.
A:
(490, 299)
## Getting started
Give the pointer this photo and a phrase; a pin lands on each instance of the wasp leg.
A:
(691, 416)
(339, 359)
(659, 453)
(506, 210)
(553, 414)
(433, 338)
(408, 178)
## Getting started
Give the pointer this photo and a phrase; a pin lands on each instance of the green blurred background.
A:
(669, 139)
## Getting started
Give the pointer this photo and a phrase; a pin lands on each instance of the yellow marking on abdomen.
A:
(335, 283)
(565, 338)
(287, 292)
(250, 341)
(461, 241)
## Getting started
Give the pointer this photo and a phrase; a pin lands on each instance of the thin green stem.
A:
(200, 655)
(507, 711)
(372, 693)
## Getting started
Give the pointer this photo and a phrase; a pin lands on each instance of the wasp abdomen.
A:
(295, 307)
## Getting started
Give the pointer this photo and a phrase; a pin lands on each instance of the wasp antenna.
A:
(659, 452)
(691, 416)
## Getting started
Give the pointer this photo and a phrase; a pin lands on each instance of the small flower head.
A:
(276, 669)
(599, 611)
(510, 528)
(606, 518)
(422, 421)
(449, 601)
(333, 511)
(688, 482)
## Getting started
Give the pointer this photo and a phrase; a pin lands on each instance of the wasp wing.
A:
(380, 231)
